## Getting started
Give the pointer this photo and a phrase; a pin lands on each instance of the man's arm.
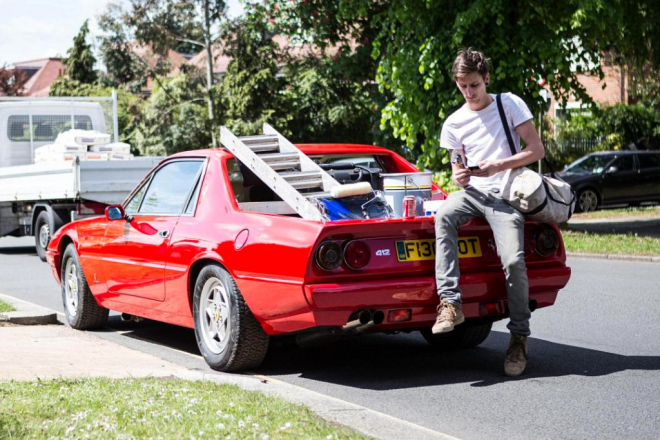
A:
(533, 152)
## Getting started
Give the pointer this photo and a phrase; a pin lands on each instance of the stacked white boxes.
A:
(83, 145)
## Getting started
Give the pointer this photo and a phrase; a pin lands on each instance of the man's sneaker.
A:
(448, 316)
(516, 356)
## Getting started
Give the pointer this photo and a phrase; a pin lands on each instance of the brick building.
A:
(41, 74)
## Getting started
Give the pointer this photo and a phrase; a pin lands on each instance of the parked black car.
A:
(614, 178)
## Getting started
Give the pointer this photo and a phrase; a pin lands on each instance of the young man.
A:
(476, 134)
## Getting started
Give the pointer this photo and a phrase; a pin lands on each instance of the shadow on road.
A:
(18, 250)
(382, 362)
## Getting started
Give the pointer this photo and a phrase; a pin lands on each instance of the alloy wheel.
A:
(216, 323)
(71, 287)
(588, 200)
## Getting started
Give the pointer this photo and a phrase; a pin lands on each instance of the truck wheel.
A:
(463, 336)
(80, 307)
(42, 234)
(228, 335)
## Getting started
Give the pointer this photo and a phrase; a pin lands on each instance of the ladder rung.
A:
(303, 179)
(282, 161)
(258, 139)
(261, 143)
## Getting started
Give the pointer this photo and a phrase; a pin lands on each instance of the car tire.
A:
(81, 310)
(587, 200)
(42, 234)
(228, 335)
(463, 336)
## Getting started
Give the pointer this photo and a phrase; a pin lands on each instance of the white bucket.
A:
(398, 185)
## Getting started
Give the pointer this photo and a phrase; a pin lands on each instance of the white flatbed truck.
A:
(36, 199)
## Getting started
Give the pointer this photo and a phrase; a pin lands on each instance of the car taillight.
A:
(329, 255)
(357, 254)
(546, 242)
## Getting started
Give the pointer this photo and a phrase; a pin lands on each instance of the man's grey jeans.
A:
(508, 229)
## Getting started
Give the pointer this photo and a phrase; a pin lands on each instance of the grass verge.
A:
(153, 409)
(637, 212)
(4, 307)
(591, 242)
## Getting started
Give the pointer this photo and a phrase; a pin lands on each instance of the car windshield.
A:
(590, 164)
(365, 160)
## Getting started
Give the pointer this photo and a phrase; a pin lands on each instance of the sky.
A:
(34, 29)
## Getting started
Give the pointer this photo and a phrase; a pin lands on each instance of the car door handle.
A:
(164, 233)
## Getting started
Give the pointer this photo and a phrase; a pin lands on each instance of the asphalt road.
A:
(594, 370)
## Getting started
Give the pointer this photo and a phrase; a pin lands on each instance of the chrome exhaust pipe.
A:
(377, 317)
(363, 318)
(127, 317)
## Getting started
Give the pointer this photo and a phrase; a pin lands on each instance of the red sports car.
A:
(188, 247)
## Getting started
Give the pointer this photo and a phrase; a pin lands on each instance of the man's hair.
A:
(468, 61)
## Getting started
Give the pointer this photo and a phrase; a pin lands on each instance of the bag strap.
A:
(509, 138)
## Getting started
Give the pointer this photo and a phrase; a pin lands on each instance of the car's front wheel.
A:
(467, 335)
(228, 335)
(587, 200)
(80, 307)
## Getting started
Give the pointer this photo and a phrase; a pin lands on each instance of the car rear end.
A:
(380, 274)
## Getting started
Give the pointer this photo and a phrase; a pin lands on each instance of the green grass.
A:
(153, 409)
(590, 242)
(4, 307)
(637, 212)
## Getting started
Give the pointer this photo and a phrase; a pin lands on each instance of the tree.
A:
(251, 91)
(415, 43)
(80, 61)
(163, 25)
(12, 81)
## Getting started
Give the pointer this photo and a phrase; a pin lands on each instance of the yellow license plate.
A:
(418, 250)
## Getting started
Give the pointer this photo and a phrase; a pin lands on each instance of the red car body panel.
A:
(132, 268)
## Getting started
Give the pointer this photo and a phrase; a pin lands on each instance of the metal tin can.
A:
(409, 208)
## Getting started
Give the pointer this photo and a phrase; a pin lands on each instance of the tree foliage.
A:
(250, 91)
(12, 81)
(80, 61)
(174, 118)
(415, 44)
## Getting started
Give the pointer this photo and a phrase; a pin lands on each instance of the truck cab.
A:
(25, 126)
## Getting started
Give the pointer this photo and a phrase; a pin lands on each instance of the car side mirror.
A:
(115, 212)
(612, 169)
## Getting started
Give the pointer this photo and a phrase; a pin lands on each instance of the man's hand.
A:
(488, 168)
(461, 176)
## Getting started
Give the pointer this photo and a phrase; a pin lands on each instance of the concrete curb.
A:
(27, 313)
(639, 258)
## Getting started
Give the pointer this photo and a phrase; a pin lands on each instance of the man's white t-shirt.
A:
(481, 135)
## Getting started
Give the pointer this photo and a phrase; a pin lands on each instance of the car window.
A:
(649, 161)
(624, 163)
(170, 187)
(44, 127)
(590, 164)
(190, 209)
(134, 204)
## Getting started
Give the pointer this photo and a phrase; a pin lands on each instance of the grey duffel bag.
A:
(542, 198)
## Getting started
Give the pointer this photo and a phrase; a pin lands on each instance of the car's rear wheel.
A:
(42, 234)
(80, 307)
(228, 335)
(587, 200)
(467, 335)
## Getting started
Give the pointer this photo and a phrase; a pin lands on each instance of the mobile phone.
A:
(473, 168)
